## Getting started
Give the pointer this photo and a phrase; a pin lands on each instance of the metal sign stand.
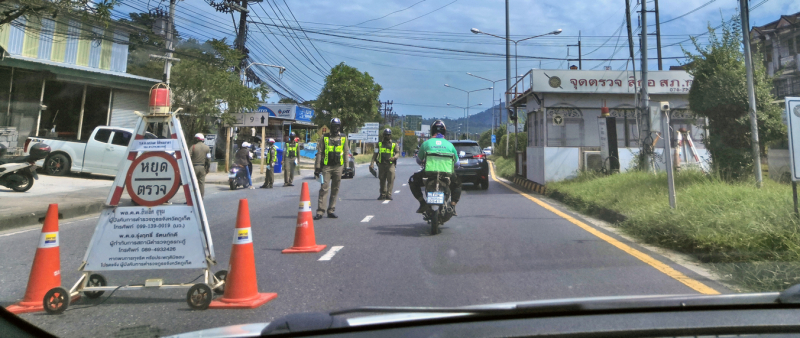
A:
(93, 285)
(685, 147)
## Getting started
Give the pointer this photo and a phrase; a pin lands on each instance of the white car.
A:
(487, 151)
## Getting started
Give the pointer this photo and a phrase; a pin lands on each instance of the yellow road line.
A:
(666, 269)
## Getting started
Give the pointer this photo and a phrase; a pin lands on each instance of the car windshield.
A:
(605, 148)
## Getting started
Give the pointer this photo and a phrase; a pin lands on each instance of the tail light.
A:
(27, 143)
(478, 156)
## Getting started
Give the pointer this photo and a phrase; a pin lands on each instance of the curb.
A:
(64, 211)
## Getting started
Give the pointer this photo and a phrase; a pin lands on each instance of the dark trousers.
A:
(415, 184)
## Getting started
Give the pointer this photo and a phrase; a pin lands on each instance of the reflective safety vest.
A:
(383, 150)
(330, 148)
(272, 155)
(292, 150)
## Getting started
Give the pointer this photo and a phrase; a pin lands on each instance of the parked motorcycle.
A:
(18, 173)
(237, 177)
(437, 193)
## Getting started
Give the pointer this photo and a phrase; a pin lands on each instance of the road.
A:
(502, 247)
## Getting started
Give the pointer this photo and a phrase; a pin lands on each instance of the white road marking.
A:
(366, 219)
(330, 253)
(19, 232)
(38, 227)
(405, 184)
(397, 192)
(386, 202)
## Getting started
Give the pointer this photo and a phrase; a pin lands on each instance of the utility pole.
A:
(508, 71)
(658, 36)
(168, 59)
(751, 96)
(645, 98)
(580, 58)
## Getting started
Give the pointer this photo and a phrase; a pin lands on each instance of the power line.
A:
(304, 33)
(295, 40)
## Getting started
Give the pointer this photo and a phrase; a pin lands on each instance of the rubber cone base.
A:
(307, 249)
(260, 299)
(28, 307)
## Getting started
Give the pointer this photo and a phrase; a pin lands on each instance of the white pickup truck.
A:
(101, 154)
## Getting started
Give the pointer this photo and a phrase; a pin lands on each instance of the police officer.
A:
(329, 163)
(386, 155)
(271, 158)
(200, 154)
(243, 158)
(290, 158)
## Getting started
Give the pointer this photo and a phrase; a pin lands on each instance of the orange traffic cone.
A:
(46, 268)
(241, 285)
(304, 239)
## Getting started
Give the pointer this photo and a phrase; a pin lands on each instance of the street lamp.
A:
(508, 85)
(244, 70)
(468, 92)
(493, 110)
(466, 111)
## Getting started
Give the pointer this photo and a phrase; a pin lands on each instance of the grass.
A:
(363, 158)
(504, 167)
(749, 236)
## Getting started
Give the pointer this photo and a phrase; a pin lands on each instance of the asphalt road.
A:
(502, 247)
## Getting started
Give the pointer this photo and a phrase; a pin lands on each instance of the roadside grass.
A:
(749, 236)
(363, 158)
(504, 167)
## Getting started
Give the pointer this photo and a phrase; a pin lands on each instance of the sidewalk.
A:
(78, 195)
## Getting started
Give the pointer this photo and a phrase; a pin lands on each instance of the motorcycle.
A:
(437, 193)
(18, 173)
(238, 177)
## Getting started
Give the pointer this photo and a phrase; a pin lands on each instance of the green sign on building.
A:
(414, 122)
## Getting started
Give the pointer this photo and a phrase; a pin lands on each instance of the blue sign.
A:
(494, 139)
(304, 114)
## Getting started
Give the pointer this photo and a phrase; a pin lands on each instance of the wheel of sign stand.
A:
(93, 281)
(221, 275)
(199, 296)
(56, 300)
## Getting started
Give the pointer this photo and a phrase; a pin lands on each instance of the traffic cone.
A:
(241, 285)
(46, 268)
(304, 239)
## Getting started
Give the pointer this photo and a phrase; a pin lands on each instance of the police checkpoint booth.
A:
(563, 107)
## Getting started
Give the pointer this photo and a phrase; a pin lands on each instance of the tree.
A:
(349, 95)
(287, 100)
(409, 144)
(719, 93)
(87, 10)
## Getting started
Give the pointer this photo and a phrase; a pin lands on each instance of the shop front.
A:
(563, 107)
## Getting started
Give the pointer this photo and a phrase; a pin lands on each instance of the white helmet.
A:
(271, 141)
(245, 145)
(200, 136)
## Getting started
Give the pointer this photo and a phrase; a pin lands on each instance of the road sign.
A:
(251, 119)
(370, 132)
(356, 137)
(372, 125)
(409, 133)
(494, 139)
(793, 117)
(372, 139)
(153, 178)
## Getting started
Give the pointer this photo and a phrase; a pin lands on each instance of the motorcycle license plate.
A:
(231, 175)
(435, 198)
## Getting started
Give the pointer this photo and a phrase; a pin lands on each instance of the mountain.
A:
(478, 122)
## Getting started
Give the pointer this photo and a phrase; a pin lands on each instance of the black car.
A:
(350, 169)
(474, 167)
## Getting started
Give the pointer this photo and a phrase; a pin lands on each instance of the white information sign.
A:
(793, 119)
(372, 125)
(372, 139)
(155, 145)
(356, 137)
(258, 119)
(603, 132)
(137, 238)
(370, 132)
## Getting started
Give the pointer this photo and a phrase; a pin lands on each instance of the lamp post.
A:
(493, 110)
(468, 92)
(516, 42)
(466, 111)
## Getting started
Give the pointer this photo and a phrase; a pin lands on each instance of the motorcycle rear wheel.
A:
(26, 184)
(435, 223)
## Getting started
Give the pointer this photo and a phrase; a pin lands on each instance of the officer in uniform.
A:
(271, 157)
(201, 157)
(386, 155)
(290, 156)
(329, 163)
(243, 158)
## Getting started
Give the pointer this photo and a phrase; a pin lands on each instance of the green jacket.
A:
(447, 155)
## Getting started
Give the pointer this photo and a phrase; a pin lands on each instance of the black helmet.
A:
(387, 131)
(336, 125)
(438, 127)
(292, 136)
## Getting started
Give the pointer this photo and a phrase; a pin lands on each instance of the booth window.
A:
(684, 118)
(570, 133)
(627, 128)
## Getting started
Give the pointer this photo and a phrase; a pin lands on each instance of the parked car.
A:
(350, 170)
(487, 151)
(100, 154)
(474, 167)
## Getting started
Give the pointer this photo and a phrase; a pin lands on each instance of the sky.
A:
(412, 48)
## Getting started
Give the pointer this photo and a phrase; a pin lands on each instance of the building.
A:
(779, 44)
(563, 107)
(64, 77)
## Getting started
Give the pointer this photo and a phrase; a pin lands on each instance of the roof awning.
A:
(75, 73)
